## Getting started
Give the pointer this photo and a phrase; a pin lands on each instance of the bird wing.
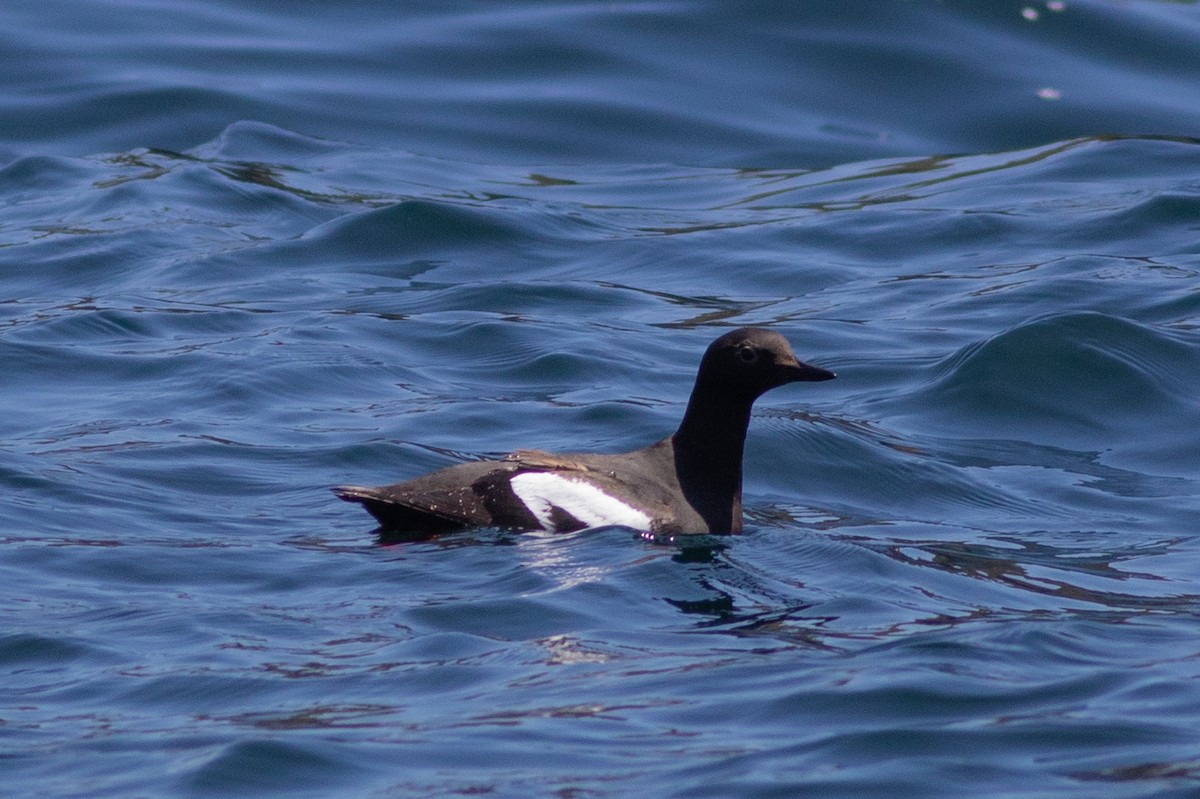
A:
(539, 460)
(440, 513)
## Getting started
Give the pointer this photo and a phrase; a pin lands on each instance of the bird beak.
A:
(800, 370)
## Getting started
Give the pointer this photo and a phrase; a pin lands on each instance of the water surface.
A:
(248, 253)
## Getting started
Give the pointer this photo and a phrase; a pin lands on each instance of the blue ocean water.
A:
(249, 251)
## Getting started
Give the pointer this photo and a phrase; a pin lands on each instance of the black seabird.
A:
(690, 482)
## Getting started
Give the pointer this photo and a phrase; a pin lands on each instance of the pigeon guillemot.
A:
(690, 482)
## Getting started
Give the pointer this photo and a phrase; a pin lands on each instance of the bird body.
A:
(689, 482)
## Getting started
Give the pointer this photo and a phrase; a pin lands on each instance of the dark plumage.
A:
(690, 482)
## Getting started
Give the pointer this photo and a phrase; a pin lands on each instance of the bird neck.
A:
(716, 428)
(708, 457)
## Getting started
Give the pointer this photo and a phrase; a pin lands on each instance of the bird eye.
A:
(748, 355)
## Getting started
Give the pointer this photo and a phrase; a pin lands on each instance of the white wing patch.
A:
(543, 491)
